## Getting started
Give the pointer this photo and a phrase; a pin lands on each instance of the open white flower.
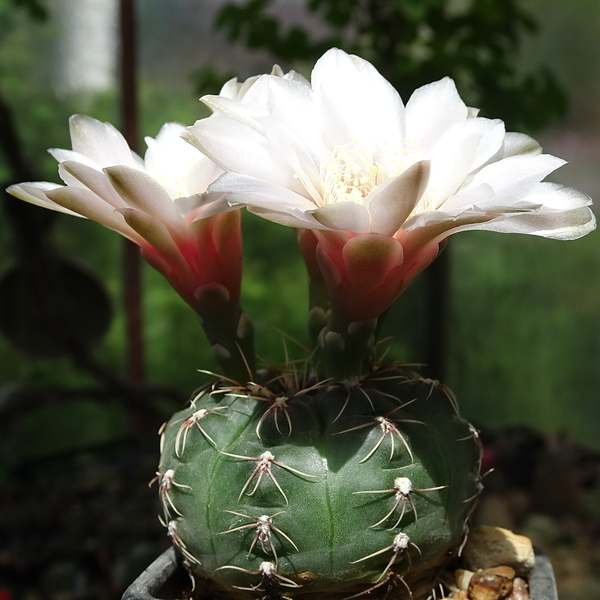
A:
(155, 202)
(342, 154)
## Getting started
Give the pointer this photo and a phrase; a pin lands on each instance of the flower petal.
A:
(560, 225)
(369, 258)
(392, 203)
(516, 174)
(517, 143)
(100, 142)
(34, 192)
(61, 155)
(179, 167)
(237, 147)
(211, 204)
(431, 111)
(87, 204)
(346, 216)
(252, 191)
(157, 235)
(356, 102)
(94, 180)
(290, 218)
(450, 166)
(142, 192)
(554, 196)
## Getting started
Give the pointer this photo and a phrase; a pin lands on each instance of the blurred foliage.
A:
(209, 80)
(524, 322)
(36, 8)
(414, 42)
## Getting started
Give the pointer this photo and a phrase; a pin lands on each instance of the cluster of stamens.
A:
(349, 174)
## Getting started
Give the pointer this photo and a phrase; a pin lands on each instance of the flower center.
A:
(174, 177)
(349, 174)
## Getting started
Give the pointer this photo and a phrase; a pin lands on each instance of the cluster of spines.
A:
(271, 581)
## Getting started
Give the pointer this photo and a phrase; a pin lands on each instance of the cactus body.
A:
(321, 493)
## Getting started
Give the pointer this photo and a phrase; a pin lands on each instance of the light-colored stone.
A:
(462, 577)
(520, 590)
(491, 584)
(492, 546)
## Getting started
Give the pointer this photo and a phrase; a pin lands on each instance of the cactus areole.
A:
(300, 489)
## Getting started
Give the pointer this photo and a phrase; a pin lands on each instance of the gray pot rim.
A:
(167, 570)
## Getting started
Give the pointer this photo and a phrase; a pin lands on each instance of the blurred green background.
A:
(515, 333)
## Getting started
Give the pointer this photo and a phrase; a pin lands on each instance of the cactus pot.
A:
(166, 578)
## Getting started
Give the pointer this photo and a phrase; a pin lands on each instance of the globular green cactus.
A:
(294, 489)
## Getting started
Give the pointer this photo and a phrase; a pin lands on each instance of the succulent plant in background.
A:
(341, 476)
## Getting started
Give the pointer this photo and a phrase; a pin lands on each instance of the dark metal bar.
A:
(131, 256)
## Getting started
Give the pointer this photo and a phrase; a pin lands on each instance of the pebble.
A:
(520, 590)
(462, 578)
(495, 583)
(490, 546)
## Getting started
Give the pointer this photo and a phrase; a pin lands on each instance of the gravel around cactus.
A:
(295, 488)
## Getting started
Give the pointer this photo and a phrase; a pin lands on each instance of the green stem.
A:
(319, 311)
(230, 333)
(347, 348)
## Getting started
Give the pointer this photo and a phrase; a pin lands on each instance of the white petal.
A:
(560, 225)
(392, 203)
(465, 198)
(85, 203)
(201, 175)
(230, 89)
(450, 166)
(34, 192)
(303, 160)
(431, 111)
(257, 193)
(236, 147)
(292, 218)
(94, 180)
(210, 204)
(491, 134)
(356, 102)
(100, 142)
(518, 143)
(61, 155)
(234, 109)
(177, 165)
(142, 192)
(344, 216)
(158, 236)
(292, 104)
(554, 196)
(516, 174)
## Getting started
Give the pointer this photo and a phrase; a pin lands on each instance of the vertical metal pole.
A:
(131, 255)
(437, 301)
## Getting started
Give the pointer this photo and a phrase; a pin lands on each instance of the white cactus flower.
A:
(344, 153)
(380, 184)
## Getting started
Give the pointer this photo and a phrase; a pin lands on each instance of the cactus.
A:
(291, 489)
